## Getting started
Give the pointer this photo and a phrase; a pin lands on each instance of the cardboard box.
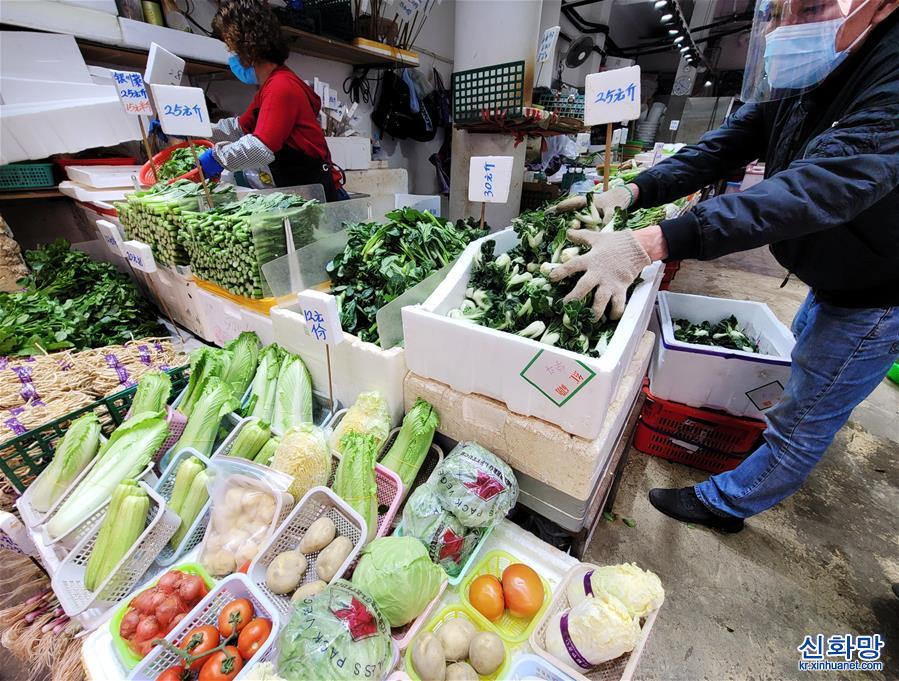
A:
(570, 390)
(740, 383)
(350, 153)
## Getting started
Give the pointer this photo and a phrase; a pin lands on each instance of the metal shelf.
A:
(322, 47)
(32, 195)
(530, 121)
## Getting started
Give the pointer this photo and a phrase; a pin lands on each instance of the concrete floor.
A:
(822, 562)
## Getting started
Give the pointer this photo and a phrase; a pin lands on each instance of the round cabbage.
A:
(598, 629)
(448, 542)
(640, 590)
(475, 485)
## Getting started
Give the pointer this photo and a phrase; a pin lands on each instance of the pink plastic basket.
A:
(390, 496)
(402, 636)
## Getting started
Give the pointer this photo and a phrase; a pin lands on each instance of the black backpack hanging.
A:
(443, 102)
(394, 115)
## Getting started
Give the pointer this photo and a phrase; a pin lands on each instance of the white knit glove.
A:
(605, 202)
(612, 264)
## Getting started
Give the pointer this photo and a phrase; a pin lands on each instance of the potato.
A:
(486, 653)
(331, 558)
(461, 671)
(285, 572)
(455, 637)
(308, 590)
(318, 536)
(428, 659)
(247, 552)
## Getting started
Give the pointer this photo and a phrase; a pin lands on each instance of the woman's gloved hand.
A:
(210, 165)
(612, 264)
(606, 202)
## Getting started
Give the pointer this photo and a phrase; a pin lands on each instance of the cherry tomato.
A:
(222, 665)
(245, 568)
(253, 636)
(200, 640)
(234, 616)
(175, 673)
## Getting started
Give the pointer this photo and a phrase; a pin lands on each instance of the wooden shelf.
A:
(319, 46)
(137, 59)
(530, 121)
(32, 195)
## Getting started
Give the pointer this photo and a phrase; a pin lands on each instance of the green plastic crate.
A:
(23, 457)
(17, 176)
(570, 106)
(496, 90)
(893, 374)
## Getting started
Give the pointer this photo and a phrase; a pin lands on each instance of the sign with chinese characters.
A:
(674, 124)
(182, 110)
(139, 255)
(409, 7)
(320, 313)
(612, 96)
(556, 377)
(111, 236)
(132, 93)
(163, 67)
(489, 178)
(583, 142)
(547, 43)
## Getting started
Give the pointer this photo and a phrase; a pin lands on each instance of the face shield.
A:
(796, 44)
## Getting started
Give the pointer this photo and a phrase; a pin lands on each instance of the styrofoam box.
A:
(475, 359)
(186, 45)
(223, 320)
(356, 366)
(350, 153)
(740, 383)
(103, 177)
(180, 295)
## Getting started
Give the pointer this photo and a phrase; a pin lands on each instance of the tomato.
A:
(234, 616)
(200, 640)
(245, 568)
(486, 596)
(253, 636)
(175, 673)
(523, 590)
(222, 665)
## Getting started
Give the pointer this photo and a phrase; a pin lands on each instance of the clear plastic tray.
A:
(527, 666)
(318, 502)
(206, 612)
(165, 487)
(68, 582)
(619, 669)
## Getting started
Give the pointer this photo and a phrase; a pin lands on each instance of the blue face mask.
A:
(245, 74)
(802, 55)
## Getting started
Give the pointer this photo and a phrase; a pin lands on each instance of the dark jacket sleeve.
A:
(844, 171)
(740, 140)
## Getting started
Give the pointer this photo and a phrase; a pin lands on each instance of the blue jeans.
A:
(841, 355)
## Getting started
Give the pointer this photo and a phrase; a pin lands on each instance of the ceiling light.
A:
(685, 49)
(661, 4)
(673, 31)
(679, 39)
(666, 18)
(708, 83)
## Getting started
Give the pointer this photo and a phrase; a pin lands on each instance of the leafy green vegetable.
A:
(180, 162)
(399, 575)
(73, 453)
(215, 401)
(412, 443)
(725, 334)
(355, 481)
(153, 391)
(265, 384)
(382, 261)
(303, 453)
(251, 438)
(244, 354)
(69, 301)
(122, 525)
(293, 394)
(369, 415)
(204, 362)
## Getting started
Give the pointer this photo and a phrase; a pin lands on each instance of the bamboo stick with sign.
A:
(611, 97)
(182, 113)
(322, 325)
(135, 101)
(489, 179)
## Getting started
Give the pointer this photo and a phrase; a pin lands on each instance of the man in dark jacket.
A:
(822, 86)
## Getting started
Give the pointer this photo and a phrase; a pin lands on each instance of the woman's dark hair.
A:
(250, 29)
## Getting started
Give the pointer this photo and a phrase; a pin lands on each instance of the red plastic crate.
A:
(701, 427)
(671, 269)
(655, 443)
(111, 161)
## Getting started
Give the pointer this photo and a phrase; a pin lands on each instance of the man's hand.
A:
(614, 261)
(606, 202)
(653, 242)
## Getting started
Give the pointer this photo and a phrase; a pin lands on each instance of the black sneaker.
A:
(683, 504)
(896, 590)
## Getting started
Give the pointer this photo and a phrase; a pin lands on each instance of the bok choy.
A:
(73, 453)
(214, 402)
(265, 383)
(411, 446)
(293, 395)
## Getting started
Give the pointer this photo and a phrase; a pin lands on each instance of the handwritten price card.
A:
(320, 313)
(556, 377)
(139, 255)
(612, 96)
(182, 110)
(111, 236)
(129, 85)
(489, 178)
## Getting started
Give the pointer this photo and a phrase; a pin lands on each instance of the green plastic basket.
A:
(26, 176)
(494, 90)
(23, 457)
(128, 657)
(893, 374)
(571, 106)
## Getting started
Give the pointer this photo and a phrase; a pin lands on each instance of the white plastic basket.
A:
(318, 502)
(527, 666)
(164, 488)
(619, 669)
(68, 582)
(433, 459)
(206, 612)
(238, 424)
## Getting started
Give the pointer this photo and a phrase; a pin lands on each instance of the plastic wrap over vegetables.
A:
(475, 485)
(449, 542)
(639, 590)
(594, 631)
(337, 635)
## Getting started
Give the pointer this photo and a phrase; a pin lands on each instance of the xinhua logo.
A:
(840, 652)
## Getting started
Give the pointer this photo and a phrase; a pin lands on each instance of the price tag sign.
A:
(583, 142)
(139, 255)
(163, 67)
(110, 234)
(556, 377)
(612, 96)
(409, 7)
(132, 93)
(674, 124)
(320, 313)
(182, 110)
(489, 178)
(547, 44)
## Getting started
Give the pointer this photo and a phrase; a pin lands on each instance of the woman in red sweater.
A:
(281, 127)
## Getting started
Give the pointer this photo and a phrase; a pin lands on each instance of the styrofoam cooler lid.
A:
(103, 177)
(81, 192)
